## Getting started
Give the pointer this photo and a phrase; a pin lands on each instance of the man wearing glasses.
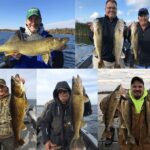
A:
(56, 124)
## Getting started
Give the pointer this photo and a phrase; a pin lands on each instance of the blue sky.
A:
(55, 13)
(87, 10)
(47, 79)
(29, 76)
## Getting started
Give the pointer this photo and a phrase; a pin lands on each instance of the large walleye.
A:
(118, 41)
(98, 41)
(18, 106)
(111, 102)
(134, 40)
(78, 100)
(126, 115)
(33, 48)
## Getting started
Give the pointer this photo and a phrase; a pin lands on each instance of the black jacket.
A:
(108, 37)
(144, 46)
(57, 124)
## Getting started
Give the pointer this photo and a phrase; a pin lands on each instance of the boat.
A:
(89, 140)
(85, 62)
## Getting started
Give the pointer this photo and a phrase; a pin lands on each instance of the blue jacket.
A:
(36, 61)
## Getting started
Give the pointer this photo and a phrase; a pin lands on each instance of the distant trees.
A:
(62, 31)
(81, 29)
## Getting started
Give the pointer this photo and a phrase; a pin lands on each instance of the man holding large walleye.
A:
(12, 112)
(62, 118)
(139, 36)
(108, 35)
(133, 109)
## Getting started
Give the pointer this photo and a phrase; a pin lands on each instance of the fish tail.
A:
(77, 144)
(106, 134)
(19, 142)
(131, 140)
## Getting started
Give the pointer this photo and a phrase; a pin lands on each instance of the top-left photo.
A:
(37, 34)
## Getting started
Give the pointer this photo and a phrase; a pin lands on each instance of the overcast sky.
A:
(109, 79)
(28, 74)
(47, 79)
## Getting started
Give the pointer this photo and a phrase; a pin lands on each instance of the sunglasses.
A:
(62, 91)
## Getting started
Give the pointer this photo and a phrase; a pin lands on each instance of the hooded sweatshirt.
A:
(56, 124)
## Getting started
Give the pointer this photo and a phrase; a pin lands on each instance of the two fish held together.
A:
(118, 41)
(116, 98)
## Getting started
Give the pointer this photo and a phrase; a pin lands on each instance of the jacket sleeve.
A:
(46, 123)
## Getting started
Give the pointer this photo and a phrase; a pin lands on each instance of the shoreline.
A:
(51, 31)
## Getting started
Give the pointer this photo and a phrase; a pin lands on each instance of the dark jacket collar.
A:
(115, 19)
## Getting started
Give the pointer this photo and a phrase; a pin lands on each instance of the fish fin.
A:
(46, 57)
(77, 144)
(21, 142)
(106, 134)
(83, 123)
(23, 127)
(8, 53)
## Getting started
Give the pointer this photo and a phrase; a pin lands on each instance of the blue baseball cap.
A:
(143, 12)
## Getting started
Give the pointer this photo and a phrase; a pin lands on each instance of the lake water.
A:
(69, 52)
(84, 47)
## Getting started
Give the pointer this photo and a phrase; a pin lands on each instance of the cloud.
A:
(80, 7)
(28, 74)
(138, 3)
(61, 24)
(94, 15)
(49, 78)
(120, 13)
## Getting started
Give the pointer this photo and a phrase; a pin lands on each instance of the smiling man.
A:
(108, 23)
(56, 121)
(133, 111)
(143, 29)
(34, 30)
(136, 114)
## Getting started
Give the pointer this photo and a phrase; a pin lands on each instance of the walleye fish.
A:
(98, 41)
(126, 115)
(118, 42)
(34, 48)
(78, 100)
(18, 105)
(112, 103)
(134, 40)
